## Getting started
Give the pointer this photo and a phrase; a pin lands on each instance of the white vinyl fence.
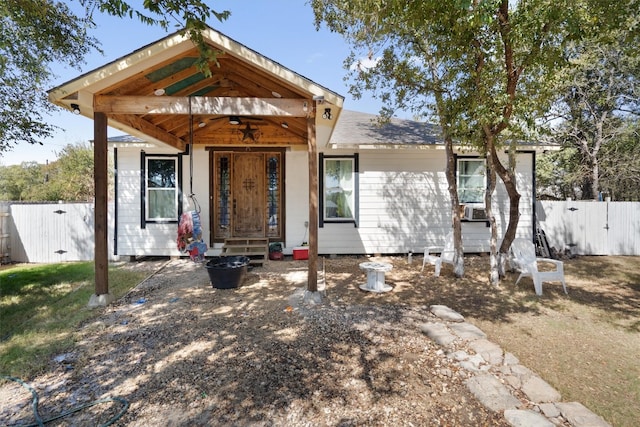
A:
(591, 228)
(5, 232)
(41, 233)
(53, 232)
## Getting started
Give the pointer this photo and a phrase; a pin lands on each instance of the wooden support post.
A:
(312, 284)
(100, 179)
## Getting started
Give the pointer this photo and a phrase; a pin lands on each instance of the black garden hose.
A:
(40, 422)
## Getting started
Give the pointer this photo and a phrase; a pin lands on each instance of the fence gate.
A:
(591, 228)
(5, 233)
(52, 232)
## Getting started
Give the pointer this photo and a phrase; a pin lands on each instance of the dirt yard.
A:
(182, 353)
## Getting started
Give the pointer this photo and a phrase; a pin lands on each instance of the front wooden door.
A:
(248, 189)
(247, 194)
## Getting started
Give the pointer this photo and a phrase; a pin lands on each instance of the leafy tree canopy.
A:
(479, 49)
(596, 112)
(70, 178)
(34, 34)
(480, 68)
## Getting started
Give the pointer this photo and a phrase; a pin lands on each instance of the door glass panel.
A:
(273, 195)
(222, 212)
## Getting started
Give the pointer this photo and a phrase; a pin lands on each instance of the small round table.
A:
(375, 276)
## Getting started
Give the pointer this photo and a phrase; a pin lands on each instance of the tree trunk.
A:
(595, 164)
(595, 178)
(494, 276)
(508, 177)
(458, 258)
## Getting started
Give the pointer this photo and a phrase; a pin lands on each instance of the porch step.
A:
(257, 249)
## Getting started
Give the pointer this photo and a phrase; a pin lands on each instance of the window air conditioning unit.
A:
(474, 213)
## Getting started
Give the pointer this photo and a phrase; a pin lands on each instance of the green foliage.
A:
(70, 178)
(73, 173)
(189, 16)
(557, 174)
(595, 116)
(620, 165)
(481, 69)
(40, 307)
(487, 64)
(34, 34)
(16, 180)
(561, 174)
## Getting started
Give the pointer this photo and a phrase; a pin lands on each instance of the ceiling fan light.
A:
(234, 120)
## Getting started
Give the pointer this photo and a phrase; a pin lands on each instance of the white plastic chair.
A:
(525, 260)
(446, 254)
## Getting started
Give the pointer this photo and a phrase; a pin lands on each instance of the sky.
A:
(282, 30)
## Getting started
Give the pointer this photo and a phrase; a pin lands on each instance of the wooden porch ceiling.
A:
(272, 111)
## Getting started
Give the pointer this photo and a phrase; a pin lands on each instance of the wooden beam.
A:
(225, 106)
(100, 180)
(149, 129)
(258, 82)
(312, 284)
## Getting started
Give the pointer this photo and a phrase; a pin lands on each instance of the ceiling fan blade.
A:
(241, 119)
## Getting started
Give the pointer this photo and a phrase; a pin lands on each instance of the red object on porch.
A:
(301, 253)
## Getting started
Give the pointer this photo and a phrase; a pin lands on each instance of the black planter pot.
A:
(227, 272)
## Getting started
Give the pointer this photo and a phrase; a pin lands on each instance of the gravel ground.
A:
(185, 354)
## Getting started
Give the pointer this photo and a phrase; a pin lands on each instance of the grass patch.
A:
(41, 307)
(585, 344)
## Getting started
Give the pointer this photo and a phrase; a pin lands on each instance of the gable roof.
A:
(355, 129)
(265, 94)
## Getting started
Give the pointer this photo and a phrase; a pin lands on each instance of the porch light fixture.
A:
(75, 108)
(201, 124)
(327, 114)
(234, 120)
(276, 94)
(158, 92)
(284, 125)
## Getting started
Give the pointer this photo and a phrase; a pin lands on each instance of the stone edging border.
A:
(499, 381)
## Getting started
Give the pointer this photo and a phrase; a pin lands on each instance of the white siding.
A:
(297, 198)
(154, 239)
(403, 204)
(160, 239)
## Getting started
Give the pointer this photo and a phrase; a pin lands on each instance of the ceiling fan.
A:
(237, 120)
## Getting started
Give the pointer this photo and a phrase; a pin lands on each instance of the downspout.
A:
(115, 201)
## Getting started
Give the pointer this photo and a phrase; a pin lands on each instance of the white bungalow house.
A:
(267, 154)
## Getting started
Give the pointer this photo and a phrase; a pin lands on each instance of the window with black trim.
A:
(339, 189)
(161, 188)
(472, 179)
